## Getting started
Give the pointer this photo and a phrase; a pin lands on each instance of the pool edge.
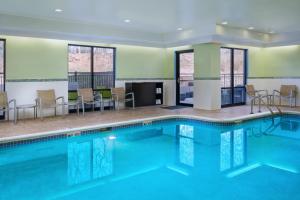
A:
(78, 131)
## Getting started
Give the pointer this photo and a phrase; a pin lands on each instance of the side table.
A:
(27, 106)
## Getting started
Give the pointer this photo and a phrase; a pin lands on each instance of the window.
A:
(91, 67)
(233, 76)
(2, 65)
(103, 67)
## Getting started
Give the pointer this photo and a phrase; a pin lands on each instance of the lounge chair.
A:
(252, 93)
(4, 105)
(47, 99)
(119, 95)
(288, 92)
(73, 100)
(106, 97)
(87, 97)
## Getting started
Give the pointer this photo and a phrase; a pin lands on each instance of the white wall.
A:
(25, 93)
(207, 94)
(271, 84)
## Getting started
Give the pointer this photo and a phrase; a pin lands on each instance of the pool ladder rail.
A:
(262, 102)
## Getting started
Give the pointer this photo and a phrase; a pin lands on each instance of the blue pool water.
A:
(175, 159)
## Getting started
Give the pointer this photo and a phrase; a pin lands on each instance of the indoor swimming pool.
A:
(168, 159)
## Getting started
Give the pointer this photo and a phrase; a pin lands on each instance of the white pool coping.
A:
(74, 131)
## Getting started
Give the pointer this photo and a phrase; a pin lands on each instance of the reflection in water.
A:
(225, 148)
(186, 131)
(232, 149)
(102, 157)
(79, 164)
(89, 160)
(186, 145)
(238, 148)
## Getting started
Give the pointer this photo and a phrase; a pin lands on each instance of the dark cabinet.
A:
(146, 93)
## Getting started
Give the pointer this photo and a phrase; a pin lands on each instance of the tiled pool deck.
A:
(72, 122)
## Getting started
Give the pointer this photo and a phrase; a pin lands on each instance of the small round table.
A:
(27, 106)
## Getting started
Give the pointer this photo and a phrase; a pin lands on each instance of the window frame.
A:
(177, 75)
(4, 62)
(92, 61)
(232, 75)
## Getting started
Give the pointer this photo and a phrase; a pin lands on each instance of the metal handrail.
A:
(260, 100)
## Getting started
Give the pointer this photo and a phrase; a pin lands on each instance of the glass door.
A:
(2, 67)
(233, 76)
(185, 77)
(2, 70)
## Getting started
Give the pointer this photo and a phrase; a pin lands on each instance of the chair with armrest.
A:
(73, 100)
(252, 93)
(87, 97)
(46, 99)
(5, 105)
(119, 95)
(288, 92)
(106, 95)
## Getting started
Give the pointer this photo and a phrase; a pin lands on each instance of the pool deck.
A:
(53, 125)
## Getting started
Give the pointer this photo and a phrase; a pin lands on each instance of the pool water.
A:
(173, 159)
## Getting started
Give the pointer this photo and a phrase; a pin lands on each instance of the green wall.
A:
(274, 62)
(142, 62)
(28, 58)
(207, 61)
(36, 58)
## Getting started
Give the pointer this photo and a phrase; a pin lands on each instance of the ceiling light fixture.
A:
(271, 32)
(58, 10)
(127, 20)
(179, 29)
(224, 23)
(251, 28)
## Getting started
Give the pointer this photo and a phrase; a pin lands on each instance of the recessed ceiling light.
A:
(127, 20)
(251, 28)
(58, 10)
(225, 22)
(179, 29)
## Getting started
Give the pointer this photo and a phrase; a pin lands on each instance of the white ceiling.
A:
(155, 21)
